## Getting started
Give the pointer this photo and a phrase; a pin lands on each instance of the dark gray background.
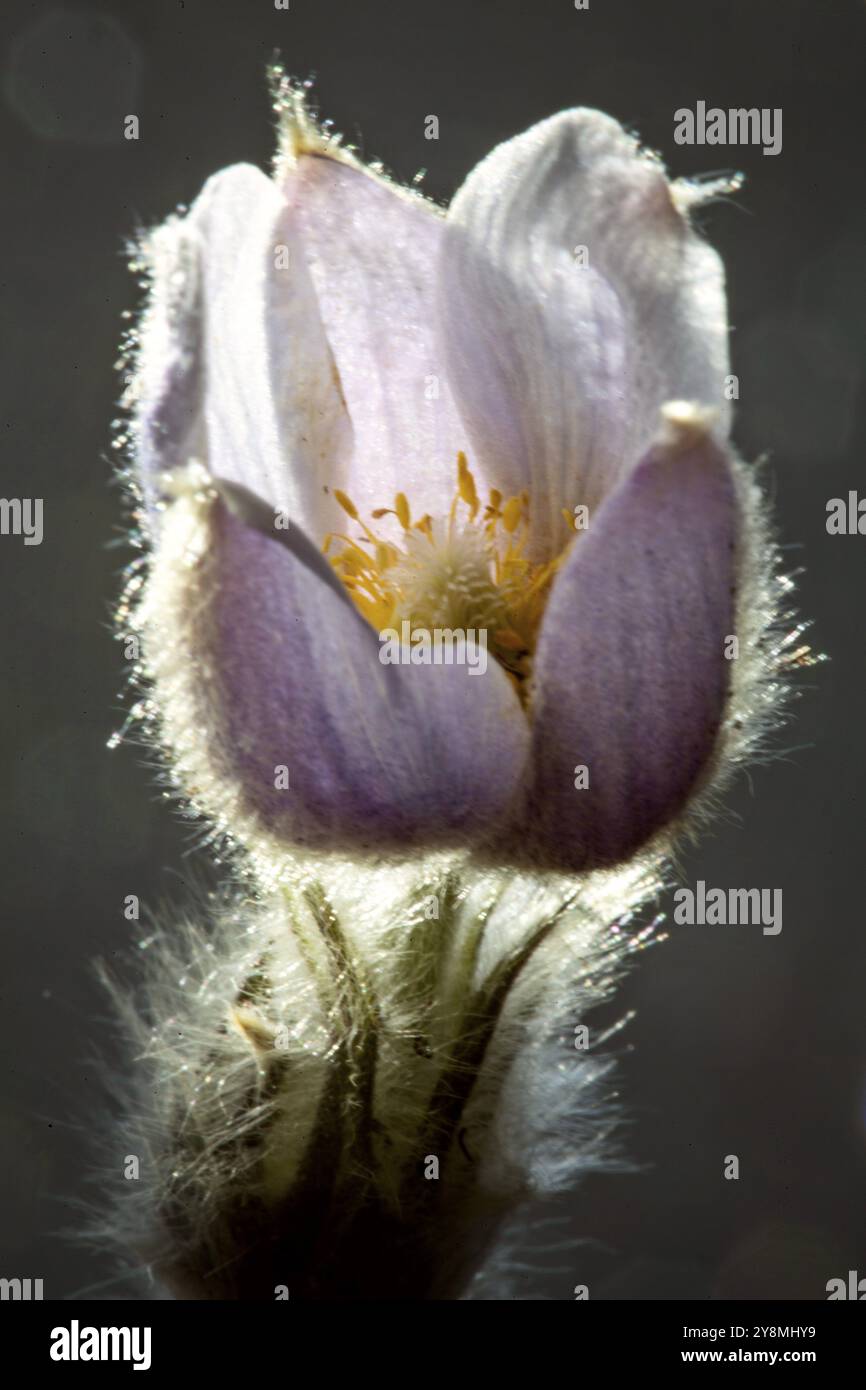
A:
(742, 1043)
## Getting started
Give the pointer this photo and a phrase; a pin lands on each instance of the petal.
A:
(275, 415)
(560, 368)
(234, 367)
(261, 663)
(165, 391)
(372, 251)
(630, 674)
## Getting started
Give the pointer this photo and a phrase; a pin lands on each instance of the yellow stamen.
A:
(456, 573)
(346, 503)
(401, 506)
(386, 555)
(466, 485)
(511, 514)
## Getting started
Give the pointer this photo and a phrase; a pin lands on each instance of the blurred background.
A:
(743, 1043)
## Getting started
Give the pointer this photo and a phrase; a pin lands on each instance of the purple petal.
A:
(372, 253)
(560, 369)
(630, 674)
(166, 388)
(235, 367)
(279, 670)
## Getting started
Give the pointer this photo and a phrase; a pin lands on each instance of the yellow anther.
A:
(466, 484)
(495, 499)
(401, 506)
(346, 503)
(511, 513)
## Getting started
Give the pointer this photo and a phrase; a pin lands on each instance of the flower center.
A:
(466, 571)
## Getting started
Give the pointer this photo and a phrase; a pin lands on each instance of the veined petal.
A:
(559, 366)
(234, 368)
(275, 416)
(372, 252)
(285, 725)
(631, 674)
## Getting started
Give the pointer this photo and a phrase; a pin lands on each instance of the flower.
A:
(521, 405)
(358, 418)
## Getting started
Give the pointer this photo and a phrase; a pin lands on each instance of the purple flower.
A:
(454, 590)
(521, 406)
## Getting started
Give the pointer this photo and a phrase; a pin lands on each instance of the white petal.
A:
(372, 254)
(560, 369)
(275, 416)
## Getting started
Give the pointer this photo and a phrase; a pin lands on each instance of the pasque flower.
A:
(356, 414)
(324, 342)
